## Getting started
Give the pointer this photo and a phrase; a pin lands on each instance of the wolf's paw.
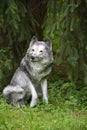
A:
(45, 100)
(33, 102)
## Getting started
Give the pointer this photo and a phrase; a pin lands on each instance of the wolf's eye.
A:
(32, 49)
(41, 50)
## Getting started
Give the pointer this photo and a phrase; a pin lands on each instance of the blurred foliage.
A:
(6, 66)
(13, 23)
(61, 92)
(68, 29)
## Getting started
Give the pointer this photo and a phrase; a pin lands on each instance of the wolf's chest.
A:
(39, 73)
(36, 74)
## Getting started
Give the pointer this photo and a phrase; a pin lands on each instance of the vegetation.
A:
(65, 22)
(43, 117)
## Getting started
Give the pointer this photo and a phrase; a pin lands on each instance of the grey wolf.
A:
(30, 78)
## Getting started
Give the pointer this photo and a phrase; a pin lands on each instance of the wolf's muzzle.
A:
(32, 57)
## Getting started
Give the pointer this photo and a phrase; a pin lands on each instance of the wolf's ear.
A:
(33, 40)
(49, 44)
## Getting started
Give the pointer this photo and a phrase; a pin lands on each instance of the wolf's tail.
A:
(9, 90)
(6, 93)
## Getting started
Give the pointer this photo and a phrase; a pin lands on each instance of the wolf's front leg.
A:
(44, 90)
(34, 95)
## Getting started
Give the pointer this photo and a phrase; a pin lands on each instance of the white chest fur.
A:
(35, 71)
(38, 71)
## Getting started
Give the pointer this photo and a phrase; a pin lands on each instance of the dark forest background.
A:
(65, 23)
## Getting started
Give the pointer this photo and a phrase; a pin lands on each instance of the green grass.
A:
(59, 114)
(42, 117)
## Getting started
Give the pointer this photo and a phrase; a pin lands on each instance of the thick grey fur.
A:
(30, 79)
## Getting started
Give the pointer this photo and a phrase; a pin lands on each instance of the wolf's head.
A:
(40, 51)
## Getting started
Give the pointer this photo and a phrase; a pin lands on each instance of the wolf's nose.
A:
(32, 57)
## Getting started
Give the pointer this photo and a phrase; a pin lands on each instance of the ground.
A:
(42, 117)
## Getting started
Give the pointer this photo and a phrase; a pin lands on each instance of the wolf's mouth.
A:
(35, 60)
